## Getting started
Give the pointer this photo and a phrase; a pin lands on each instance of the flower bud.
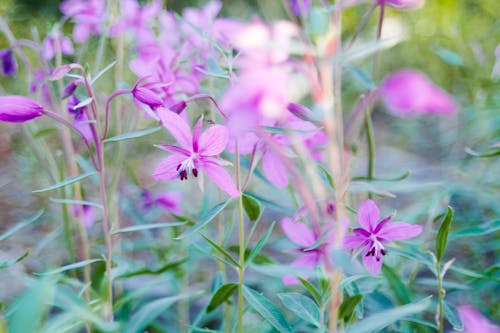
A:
(178, 107)
(9, 65)
(18, 109)
(147, 96)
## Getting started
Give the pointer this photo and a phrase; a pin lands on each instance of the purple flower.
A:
(147, 94)
(402, 4)
(409, 93)
(169, 201)
(49, 45)
(9, 65)
(475, 322)
(18, 109)
(373, 234)
(87, 216)
(88, 15)
(196, 151)
(136, 19)
(81, 118)
(300, 7)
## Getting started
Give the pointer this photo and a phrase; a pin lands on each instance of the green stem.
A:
(440, 298)
(241, 226)
(371, 147)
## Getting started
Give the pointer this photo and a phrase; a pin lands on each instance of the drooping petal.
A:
(167, 169)
(220, 177)
(368, 215)
(274, 169)
(354, 241)
(177, 127)
(399, 230)
(372, 264)
(214, 140)
(308, 260)
(297, 232)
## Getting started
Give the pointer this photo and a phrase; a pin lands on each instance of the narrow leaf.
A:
(385, 318)
(222, 251)
(253, 208)
(260, 244)
(302, 306)
(451, 314)
(474, 153)
(149, 271)
(221, 295)
(396, 285)
(76, 202)
(133, 135)
(83, 103)
(347, 307)
(267, 310)
(71, 266)
(66, 182)
(10, 263)
(442, 236)
(312, 290)
(104, 70)
(205, 219)
(150, 226)
(21, 225)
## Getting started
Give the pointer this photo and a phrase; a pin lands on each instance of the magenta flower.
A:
(8, 61)
(300, 7)
(169, 201)
(81, 116)
(475, 322)
(409, 93)
(196, 151)
(88, 15)
(373, 234)
(49, 45)
(402, 4)
(147, 93)
(18, 109)
(136, 19)
(86, 214)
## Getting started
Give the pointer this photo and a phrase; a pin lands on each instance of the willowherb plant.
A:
(217, 127)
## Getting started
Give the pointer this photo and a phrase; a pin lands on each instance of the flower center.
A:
(376, 248)
(186, 167)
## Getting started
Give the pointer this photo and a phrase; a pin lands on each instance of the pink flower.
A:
(475, 322)
(49, 45)
(87, 217)
(81, 116)
(136, 19)
(170, 201)
(196, 150)
(402, 4)
(300, 6)
(18, 109)
(88, 15)
(373, 234)
(409, 93)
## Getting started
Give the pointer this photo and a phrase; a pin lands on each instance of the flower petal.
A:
(177, 127)
(354, 241)
(220, 177)
(307, 260)
(167, 169)
(297, 232)
(368, 215)
(372, 264)
(214, 140)
(274, 169)
(399, 230)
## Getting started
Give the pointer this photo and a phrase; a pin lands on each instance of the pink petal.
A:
(196, 134)
(220, 177)
(372, 264)
(177, 127)
(214, 140)
(167, 169)
(297, 232)
(307, 260)
(399, 230)
(474, 321)
(368, 215)
(354, 241)
(274, 169)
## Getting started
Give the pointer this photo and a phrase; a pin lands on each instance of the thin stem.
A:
(241, 227)
(440, 298)
(371, 148)
(108, 103)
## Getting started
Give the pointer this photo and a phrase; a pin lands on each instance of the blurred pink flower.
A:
(300, 7)
(8, 61)
(403, 4)
(136, 19)
(87, 217)
(373, 234)
(49, 45)
(18, 109)
(89, 16)
(409, 93)
(170, 201)
(475, 322)
(196, 150)
(81, 117)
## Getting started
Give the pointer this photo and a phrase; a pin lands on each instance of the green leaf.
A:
(252, 207)
(221, 295)
(311, 289)
(267, 310)
(143, 227)
(222, 251)
(479, 230)
(396, 285)
(76, 202)
(71, 266)
(83, 103)
(302, 306)
(318, 21)
(104, 70)
(10, 263)
(205, 219)
(151, 311)
(451, 314)
(347, 307)
(132, 135)
(448, 56)
(385, 318)
(362, 77)
(21, 225)
(149, 271)
(394, 179)
(474, 153)
(66, 182)
(442, 236)
(260, 244)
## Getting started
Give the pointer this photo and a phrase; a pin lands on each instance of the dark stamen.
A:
(195, 172)
(383, 252)
(371, 252)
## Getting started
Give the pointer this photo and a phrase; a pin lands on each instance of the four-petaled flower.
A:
(196, 151)
(373, 234)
